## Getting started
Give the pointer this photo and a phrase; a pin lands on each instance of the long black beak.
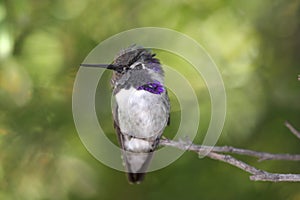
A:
(105, 66)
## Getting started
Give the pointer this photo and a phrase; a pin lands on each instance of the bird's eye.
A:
(139, 66)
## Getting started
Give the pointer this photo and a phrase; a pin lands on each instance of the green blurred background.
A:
(256, 45)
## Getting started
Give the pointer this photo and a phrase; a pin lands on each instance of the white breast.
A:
(140, 113)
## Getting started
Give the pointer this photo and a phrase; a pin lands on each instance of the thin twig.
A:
(292, 129)
(272, 177)
(257, 174)
(216, 153)
(229, 149)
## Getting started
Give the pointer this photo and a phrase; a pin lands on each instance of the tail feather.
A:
(136, 165)
(136, 178)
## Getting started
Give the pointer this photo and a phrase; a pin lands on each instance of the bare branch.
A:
(257, 174)
(217, 153)
(229, 149)
(232, 161)
(276, 177)
(292, 129)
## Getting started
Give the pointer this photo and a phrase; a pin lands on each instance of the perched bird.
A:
(141, 107)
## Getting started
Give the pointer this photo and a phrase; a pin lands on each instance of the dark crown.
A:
(133, 54)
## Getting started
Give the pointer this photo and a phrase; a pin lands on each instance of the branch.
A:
(216, 153)
(229, 149)
(292, 129)
(257, 174)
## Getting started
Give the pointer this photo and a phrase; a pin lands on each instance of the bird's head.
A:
(132, 58)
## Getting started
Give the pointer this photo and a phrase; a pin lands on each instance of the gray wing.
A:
(168, 106)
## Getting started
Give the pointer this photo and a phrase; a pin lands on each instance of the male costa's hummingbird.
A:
(141, 107)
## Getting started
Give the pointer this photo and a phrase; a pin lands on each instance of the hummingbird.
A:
(141, 107)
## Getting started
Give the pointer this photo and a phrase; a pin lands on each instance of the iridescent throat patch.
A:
(154, 87)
